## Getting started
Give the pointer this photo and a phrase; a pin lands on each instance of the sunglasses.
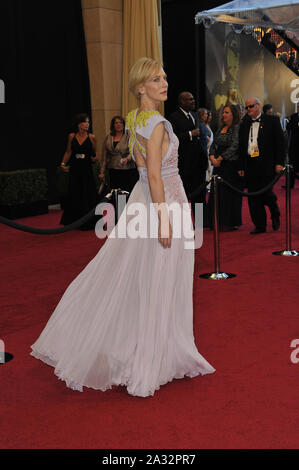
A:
(250, 106)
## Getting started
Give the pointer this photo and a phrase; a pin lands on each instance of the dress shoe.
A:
(257, 230)
(275, 223)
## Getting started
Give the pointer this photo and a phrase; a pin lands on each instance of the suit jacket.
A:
(271, 148)
(292, 125)
(293, 132)
(193, 155)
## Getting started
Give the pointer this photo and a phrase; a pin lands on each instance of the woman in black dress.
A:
(116, 157)
(224, 156)
(80, 153)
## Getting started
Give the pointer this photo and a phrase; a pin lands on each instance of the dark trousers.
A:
(257, 203)
(123, 179)
(193, 181)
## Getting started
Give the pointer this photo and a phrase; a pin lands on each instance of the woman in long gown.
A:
(224, 153)
(80, 153)
(128, 317)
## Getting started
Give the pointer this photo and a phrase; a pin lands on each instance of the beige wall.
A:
(103, 25)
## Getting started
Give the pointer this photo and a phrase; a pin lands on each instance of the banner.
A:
(238, 67)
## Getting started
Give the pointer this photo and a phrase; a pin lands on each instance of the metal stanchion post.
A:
(288, 251)
(216, 275)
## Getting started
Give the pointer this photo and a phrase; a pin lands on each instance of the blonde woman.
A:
(127, 319)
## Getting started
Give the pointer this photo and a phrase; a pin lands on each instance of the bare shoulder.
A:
(92, 136)
(70, 137)
(159, 130)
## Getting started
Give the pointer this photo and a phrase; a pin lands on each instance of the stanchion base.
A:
(217, 276)
(286, 253)
(5, 357)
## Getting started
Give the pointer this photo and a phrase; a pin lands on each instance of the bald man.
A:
(262, 156)
(193, 158)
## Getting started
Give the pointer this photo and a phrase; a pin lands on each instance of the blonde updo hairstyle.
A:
(142, 71)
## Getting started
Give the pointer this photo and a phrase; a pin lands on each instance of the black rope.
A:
(244, 193)
(51, 231)
(255, 193)
(199, 189)
(47, 231)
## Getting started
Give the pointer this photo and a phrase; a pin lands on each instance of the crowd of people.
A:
(117, 168)
(247, 150)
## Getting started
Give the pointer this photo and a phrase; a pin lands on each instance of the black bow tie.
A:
(256, 120)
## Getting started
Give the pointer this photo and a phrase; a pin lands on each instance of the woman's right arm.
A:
(67, 153)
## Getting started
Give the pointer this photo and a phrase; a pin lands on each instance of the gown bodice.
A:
(81, 153)
(144, 124)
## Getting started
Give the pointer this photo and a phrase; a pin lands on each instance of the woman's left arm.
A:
(154, 164)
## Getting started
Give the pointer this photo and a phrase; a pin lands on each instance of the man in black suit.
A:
(293, 134)
(193, 158)
(261, 155)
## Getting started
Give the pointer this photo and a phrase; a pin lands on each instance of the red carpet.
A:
(243, 326)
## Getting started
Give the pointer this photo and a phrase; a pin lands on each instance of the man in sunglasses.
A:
(261, 156)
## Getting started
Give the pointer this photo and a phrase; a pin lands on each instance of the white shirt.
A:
(190, 116)
(253, 133)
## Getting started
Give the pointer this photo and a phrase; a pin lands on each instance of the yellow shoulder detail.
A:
(130, 119)
(144, 116)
